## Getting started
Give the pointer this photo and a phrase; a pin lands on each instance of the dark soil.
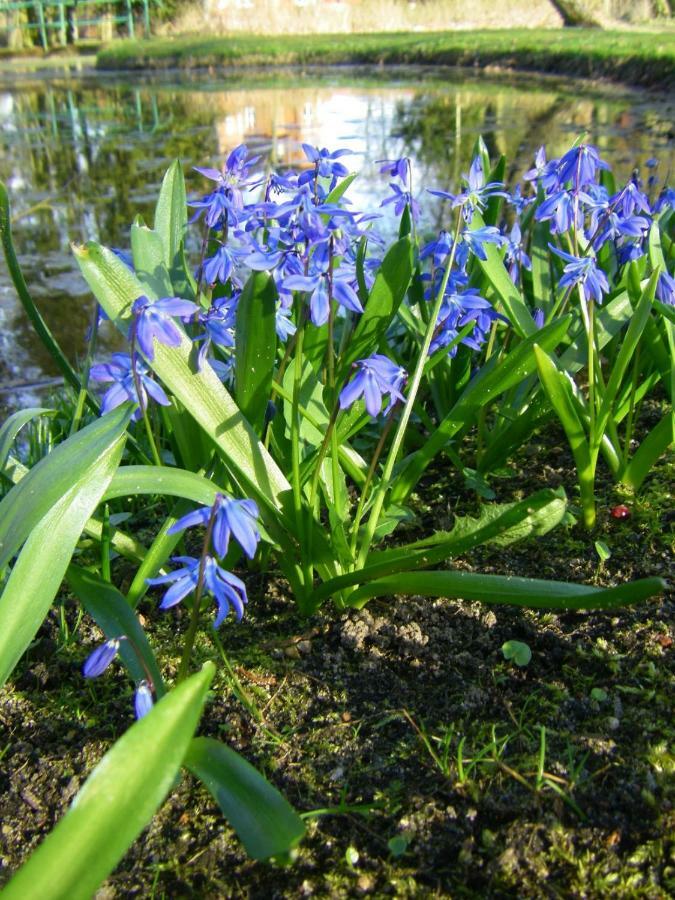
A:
(363, 715)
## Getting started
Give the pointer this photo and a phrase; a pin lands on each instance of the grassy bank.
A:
(639, 58)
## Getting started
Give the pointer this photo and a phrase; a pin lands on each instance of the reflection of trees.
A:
(82, 159)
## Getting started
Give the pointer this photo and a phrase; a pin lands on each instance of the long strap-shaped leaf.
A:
(117, 801)
(533, 593)
(201, 393)
(115, 617)
(13, 425)
(53, 477)
(264, 820)
(39, 570)
(120, 541)
(494, 378)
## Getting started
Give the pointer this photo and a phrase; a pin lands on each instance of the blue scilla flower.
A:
(98, 661)
(217, 208)
(120, 371)
(476, 194)
(155, 320)
(395, 168)
(515, 256)
(583, 271)
(228, 591)
(476, 238)
(143, 699)
(219, 322)
(401, 199)
(376, 376)
(284, 325)
(316, 284)
(580, 165)
(231, 517)
(665, 289)
(545, 172)
(325, 164)
(232, 178)
(559, 210)
(220, 266)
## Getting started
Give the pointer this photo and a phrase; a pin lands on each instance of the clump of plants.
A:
(290, 374)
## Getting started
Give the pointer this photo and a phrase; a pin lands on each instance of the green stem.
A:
(383, 486)
(84, 383)
(193, 627)
(631, 409)
(369, 478)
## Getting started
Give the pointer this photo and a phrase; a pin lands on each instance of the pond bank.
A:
(636, 58)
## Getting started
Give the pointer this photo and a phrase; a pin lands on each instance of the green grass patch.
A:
(638, 58)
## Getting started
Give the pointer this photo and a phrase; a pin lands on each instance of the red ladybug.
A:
(620, 512)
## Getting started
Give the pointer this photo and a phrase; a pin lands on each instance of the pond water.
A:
(83, 153)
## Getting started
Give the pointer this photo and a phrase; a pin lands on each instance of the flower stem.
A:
(197, 601)
(415, 381)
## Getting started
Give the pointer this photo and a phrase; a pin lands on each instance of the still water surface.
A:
(82, 154)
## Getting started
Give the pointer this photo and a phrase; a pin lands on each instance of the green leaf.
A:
(493, 379)
(389, 289)
(558, 388)
(117, 801)
(41, 565)
(149, 262)
(13, 425)
(609, 320)
(519, 652)
(541, 269)
(625, 356)
(652, 447)
(533, 593)
(495, 270)
(255, 348)
(54, 477)
(313, 413)
(113, 615)
(546, 505)
(602, 550)
(171, 217)
(263, 819)
(201, 393)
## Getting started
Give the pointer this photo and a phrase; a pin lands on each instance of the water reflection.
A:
(82, 156)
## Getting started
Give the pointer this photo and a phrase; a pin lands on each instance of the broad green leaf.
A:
(652, 447)
(265, 822)
(389, 289)
(171, 216)
(313, 414)
(116, 802)
(527, 517)
(495, 270)
(201, 393)
(541, 269)
(255, 348)
(122, 543)
(558, 388)
(533, 593)
(41, 565)
(13, 425)
(54, 477)
(113, 615)
(625, 356)
(149, 262)
(31, 310)
(493, 379)
(495, 202)
(609, 320)
(341, 188)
